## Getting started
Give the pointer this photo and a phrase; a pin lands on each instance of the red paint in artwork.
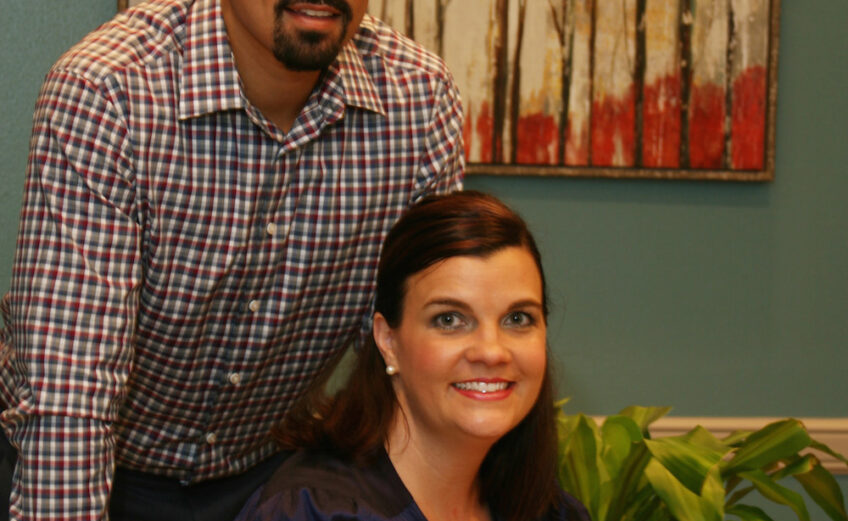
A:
(748, 119)
(706, 126)
(536, 140)
(576, 145)
(467, 132)
(613, 130)
(661, 123)
(485, 125)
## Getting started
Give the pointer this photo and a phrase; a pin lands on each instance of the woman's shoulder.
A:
(317, 485)
(570, 509)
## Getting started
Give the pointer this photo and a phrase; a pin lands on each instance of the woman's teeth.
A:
(482, 387)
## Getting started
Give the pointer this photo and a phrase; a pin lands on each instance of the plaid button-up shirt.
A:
(184, 267)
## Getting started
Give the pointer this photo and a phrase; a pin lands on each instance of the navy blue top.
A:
(316, 486)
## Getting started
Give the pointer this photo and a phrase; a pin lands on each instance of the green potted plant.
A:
(621, 473)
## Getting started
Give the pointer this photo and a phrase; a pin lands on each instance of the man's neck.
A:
(278, 92)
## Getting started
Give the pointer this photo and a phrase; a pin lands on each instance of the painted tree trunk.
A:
(613, 96)
(500, 79)
(708, 88)
(538, 103)
(661, 87)
(580, 90)
(748, 76)
(561, 20)
(470, 22)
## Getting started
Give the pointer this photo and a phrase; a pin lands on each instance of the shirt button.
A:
(253, 305)
(271, 229)
(234, 378)
(211, 438)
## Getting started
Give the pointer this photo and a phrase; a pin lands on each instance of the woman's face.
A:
(470, 348)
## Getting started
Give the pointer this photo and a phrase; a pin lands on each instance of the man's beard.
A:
(309, 50)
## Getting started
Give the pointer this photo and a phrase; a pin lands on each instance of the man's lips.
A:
(316, 9)
(313, 11)
(317, 17)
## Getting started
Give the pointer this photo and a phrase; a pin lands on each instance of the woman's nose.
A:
(489, 347)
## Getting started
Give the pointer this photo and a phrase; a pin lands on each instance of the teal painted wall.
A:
(33, 34)
(716, 298)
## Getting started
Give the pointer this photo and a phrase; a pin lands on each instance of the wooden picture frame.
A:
(663, 89)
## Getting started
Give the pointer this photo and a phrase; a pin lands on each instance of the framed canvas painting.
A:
(678, 89)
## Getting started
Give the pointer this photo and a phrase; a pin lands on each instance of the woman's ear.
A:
(384, 338)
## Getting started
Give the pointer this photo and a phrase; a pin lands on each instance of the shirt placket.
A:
(259, 310)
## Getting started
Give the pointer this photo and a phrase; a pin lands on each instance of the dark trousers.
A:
(139, 496)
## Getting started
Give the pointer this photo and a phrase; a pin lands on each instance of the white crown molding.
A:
(833, 432)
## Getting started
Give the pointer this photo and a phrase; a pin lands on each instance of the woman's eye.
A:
(519, 319)
(448, 320)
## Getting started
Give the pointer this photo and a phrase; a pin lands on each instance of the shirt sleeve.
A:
(64, 470)
(443, 162)
(72, 302)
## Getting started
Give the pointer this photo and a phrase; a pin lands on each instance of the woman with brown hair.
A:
(448, 413)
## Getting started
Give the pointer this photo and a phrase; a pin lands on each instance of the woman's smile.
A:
(470, 349)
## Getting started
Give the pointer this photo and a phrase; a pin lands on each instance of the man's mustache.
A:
(340, 5)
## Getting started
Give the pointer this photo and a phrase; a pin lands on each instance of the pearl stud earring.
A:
(390, 370)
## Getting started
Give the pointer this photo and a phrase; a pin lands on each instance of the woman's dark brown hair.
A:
(518, 476)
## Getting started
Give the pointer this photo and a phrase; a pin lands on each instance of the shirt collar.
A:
(210, 80)
(357, 82)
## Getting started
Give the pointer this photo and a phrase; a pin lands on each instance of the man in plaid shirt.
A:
(209, 183)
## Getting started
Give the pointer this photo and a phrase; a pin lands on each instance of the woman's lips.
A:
(484, 389)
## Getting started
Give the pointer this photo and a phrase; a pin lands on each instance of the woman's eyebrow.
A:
(452, 302)
(447, 302)
(529, 303)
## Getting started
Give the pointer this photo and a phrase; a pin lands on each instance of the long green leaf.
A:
(619, 433)
(798, 465)
(688, 462)
(624, 458)
(683, 504)
(748, 513)
(713, 490)
(579, 472)
(646, 504)
(703, 437)
(825, 491)
(827, 450)
(736, 438)
(772, 443)
(777, 493)
(644, 416)
(629, 482)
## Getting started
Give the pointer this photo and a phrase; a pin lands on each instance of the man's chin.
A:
(305, 60)
(307, 51)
